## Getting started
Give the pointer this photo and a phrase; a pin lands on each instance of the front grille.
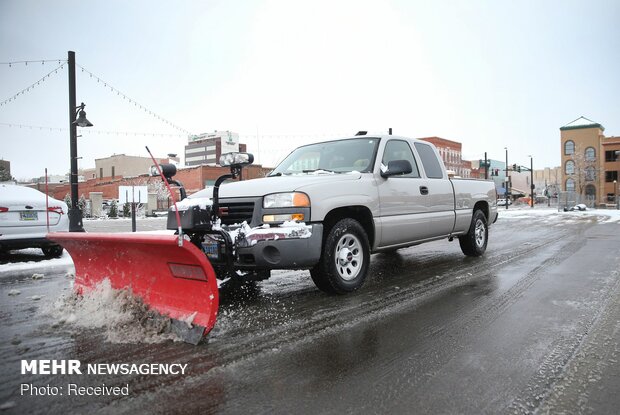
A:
(232, 213)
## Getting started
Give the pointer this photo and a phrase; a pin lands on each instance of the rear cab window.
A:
(429, 161)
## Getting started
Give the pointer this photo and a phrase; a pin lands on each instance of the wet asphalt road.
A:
(533, 326)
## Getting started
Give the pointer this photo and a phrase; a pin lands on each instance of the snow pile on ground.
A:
(42, 265)
(601, 215)
(123, 317)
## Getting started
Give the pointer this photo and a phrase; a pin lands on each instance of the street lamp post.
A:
(616, 194)
(75, 214)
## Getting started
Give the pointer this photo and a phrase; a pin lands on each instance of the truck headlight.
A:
(283, 200)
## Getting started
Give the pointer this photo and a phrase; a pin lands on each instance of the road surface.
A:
(533, 326)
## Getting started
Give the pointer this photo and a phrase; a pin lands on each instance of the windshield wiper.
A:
(279, 174)
(326, 170)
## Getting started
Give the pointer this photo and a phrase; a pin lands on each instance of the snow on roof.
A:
(582, 122)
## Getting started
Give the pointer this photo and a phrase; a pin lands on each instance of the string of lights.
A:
(41, 61)
(294, 135)
(132, 101)
(90, 131)
(34, 85)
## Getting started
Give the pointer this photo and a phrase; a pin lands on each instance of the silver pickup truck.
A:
(328, 206)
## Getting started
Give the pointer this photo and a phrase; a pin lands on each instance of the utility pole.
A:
(507, 181)
(486, 166)
(532, 180)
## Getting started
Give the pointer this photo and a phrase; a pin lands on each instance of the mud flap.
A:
(177, 281)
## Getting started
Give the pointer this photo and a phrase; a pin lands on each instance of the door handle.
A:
(424, 190)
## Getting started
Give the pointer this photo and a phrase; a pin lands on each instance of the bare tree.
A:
(154, 185)
(582, 168)
(5, 176)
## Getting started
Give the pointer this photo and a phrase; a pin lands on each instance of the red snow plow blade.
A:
(177, 281)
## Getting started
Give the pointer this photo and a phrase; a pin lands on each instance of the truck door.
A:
(403, 204)
(440, 191)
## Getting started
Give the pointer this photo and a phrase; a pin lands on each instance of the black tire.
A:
(474, 242)
(344, 261)
(52, 251)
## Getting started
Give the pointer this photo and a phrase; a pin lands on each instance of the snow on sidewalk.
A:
(601, 215)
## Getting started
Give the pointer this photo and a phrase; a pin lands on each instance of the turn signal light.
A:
(283, 218)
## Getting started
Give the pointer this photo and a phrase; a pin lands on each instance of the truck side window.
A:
(400, 150)
(429, 161)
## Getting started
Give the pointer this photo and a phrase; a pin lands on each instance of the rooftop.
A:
(582, 122)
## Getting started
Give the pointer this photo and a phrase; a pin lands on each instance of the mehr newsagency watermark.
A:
(75, 367)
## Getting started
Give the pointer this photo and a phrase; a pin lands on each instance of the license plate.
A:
(28, 216)
(211, 249)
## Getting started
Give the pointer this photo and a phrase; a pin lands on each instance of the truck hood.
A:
(278, 184)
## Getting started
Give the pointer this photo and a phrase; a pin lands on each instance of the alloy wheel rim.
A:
(349, 258)
(480, 233)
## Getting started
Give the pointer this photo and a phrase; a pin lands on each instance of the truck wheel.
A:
(344, 261)
(53, 251)
(474, 242)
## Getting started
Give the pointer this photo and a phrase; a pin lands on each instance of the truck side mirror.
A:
(396, 168)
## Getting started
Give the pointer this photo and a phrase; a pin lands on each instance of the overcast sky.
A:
(490, 74)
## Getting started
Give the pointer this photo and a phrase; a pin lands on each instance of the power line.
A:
(27, 89)
(132, 101)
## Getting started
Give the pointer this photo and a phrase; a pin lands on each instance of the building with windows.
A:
(122, 165)
(450, 152)
(208, 147)
(590, 161)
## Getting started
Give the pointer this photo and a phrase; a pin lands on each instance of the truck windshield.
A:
(340, 156)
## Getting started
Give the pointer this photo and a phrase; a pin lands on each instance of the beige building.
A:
(590, 161)
(121, 165)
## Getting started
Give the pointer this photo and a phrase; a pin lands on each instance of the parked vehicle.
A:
(327, 207)
(24, 218)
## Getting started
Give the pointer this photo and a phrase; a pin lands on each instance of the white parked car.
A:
(24, 218)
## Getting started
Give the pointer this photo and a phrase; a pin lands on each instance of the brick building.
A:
(451, 155)
(193, 179)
